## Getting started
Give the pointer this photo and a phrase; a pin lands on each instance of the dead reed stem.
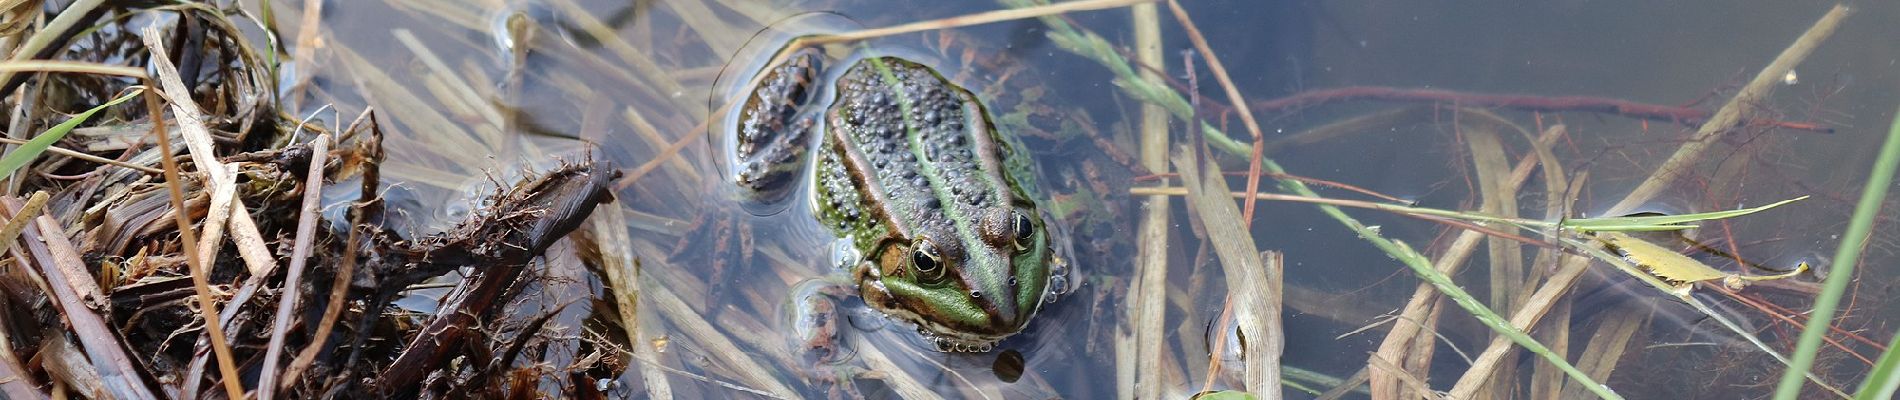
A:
(346, 269)
(49, 247)
(1251, 282)
(305, 52)
(1506, 258)
(1148, 293)
(1406, 329)
(623, 275)
(723, 349)
(307, 222)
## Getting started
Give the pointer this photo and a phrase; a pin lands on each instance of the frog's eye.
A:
(924, 260)
(1024, 230)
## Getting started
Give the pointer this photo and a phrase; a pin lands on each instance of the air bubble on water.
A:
(844, 252)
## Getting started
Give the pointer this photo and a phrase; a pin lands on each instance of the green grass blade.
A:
(1882, 382)
(1226, 395)
(1846, 256)
(32, 149)
(1663, 222)
(1630, 228)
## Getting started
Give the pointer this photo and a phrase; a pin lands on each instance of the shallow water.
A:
(464, 100)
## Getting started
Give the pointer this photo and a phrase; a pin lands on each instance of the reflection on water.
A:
(471, 90)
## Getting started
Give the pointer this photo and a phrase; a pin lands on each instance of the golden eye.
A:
(924, 260)
(1024, 230)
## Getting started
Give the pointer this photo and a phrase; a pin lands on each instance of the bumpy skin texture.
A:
(771, 139)
(913, 172)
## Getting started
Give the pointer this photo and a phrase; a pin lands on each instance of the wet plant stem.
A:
(1846, 256)
(1139, 377)
(299, 256)
(1885, 378)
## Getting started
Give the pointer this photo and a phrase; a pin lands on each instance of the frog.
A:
(938, 215)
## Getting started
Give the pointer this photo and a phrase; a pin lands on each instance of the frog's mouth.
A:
(948, 334)
(950, 339)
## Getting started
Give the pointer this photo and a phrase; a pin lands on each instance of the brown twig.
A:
(1498, 196)
(630, 176)
(537, 214)
(1786, 314)
(299, 256)
(1233, 95)
(1309, 180)
(622, 274)
(367, 203)
(1182, 191)
(1764, 308)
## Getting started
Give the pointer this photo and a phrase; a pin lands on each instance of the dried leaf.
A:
(1677, 269)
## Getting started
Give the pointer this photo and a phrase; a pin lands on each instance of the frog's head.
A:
(966, 288)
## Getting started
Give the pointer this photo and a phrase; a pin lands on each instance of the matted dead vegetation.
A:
(114, 262)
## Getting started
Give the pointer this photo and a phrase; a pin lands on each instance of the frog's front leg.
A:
(818, 329)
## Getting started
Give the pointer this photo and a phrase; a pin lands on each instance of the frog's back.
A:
(923, 148)
(912, 170)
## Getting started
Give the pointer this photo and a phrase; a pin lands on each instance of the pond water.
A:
(473, 92)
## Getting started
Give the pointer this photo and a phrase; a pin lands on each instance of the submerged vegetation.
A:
(114, 259)
(238, 199)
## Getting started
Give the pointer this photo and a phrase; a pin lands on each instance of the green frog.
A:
(938, 213)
